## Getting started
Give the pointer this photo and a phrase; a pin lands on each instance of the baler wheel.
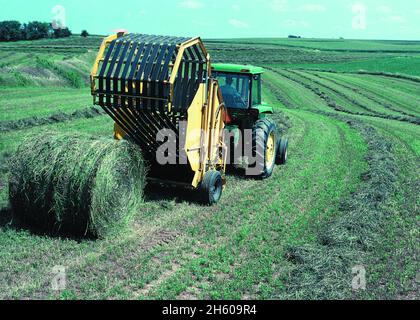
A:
(211, 187)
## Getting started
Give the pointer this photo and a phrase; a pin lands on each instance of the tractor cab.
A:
(241, 87)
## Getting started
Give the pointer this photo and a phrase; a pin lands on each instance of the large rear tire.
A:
(264, 147)
(211, 188)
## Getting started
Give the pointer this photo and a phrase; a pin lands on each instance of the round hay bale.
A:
(76, 185)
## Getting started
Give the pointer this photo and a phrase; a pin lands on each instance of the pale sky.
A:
(368, 19)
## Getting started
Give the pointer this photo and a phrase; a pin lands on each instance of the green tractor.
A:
(241, 87)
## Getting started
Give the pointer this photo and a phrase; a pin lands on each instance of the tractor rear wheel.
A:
(211, 187)
(281, 156)
(264, 138)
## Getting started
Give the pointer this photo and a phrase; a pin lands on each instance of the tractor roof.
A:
(236, 68)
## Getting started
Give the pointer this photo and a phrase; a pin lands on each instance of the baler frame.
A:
(149, 83)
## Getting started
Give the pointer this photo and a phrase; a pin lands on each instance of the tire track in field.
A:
(365, 95)
(193, 290)
(332, 103)
(143, 241)
(236, 188)
(256, 221)
(150, 241)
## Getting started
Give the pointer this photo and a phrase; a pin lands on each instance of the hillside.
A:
(67, 62)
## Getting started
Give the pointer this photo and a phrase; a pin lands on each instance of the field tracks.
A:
(323, 270)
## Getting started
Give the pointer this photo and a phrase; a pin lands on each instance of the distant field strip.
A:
(23, 103)
(378, 103)
(327, 45)
(353, 97)
(403, 95)
(396, 66)
(56, 117)
(339, 100)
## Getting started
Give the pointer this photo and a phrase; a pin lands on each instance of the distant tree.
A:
(66, 32)
(36, 30)
(10, 31)
(14, 31)
(84, 33)
(62, 33)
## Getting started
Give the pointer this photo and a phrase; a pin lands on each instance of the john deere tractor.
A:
(241, 87)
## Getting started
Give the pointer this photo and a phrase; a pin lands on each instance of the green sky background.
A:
(369, 19)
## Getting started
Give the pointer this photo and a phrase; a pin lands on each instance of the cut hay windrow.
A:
(58, 117)
(323, 269)
(334, 105)
(75, 185)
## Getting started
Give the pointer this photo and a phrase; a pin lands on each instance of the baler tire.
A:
(211, 188)
(282, 146)
(262, 131)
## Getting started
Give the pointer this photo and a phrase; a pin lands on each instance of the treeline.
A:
(15, 31)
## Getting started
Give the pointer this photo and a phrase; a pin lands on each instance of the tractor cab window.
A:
(256, 90)
(235, 89)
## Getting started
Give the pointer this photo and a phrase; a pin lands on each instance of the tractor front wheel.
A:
(281, 156)
(211, 188)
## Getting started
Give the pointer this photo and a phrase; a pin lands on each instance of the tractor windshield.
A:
(235, 89)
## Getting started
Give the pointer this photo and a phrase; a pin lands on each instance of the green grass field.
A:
(348, 195)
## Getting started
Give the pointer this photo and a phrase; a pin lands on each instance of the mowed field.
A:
(347, 198)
